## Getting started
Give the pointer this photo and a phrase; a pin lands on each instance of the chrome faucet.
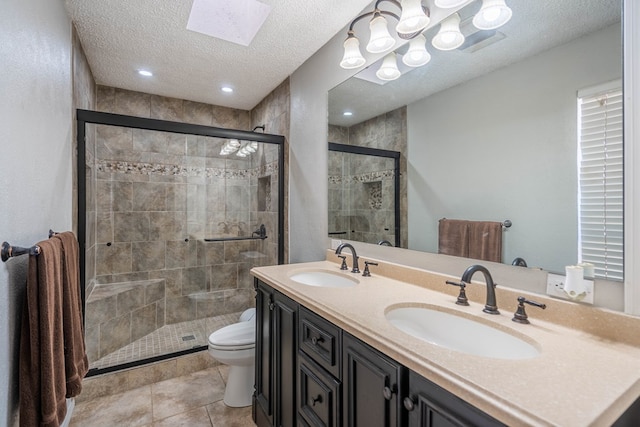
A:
(339, 249)
(490, 306)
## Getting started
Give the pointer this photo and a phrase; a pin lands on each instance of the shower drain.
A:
(188, 338)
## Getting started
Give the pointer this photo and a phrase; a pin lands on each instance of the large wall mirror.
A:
(492, 127)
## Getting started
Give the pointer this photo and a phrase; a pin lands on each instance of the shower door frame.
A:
(84, 117)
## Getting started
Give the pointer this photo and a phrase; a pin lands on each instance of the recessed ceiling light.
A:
(347, 113)
(226, 89)
(145, 73)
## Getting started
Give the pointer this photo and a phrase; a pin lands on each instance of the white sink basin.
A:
(459, 333)
(324, 278)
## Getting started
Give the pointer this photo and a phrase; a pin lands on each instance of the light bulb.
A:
(352, 57)
(417, 54)
(389, 68)
(448, 4)
(413, 18)
(380, 40)
(493, 14)
(449, 36)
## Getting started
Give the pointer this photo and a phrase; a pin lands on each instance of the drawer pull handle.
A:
(316, 340)
(314, 400)
(388, 392)
(409, 404)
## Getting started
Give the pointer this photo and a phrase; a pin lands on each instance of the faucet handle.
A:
(366, 272)
(344, 265)
(520, 315)
(462, 296)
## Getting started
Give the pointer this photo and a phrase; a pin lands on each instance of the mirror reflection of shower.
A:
(364, 199)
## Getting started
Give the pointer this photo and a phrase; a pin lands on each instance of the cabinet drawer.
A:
(319, 395)
(320, 340)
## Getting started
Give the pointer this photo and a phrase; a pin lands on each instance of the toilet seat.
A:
(238, 336)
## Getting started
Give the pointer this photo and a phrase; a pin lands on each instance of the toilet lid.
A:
(235, 335)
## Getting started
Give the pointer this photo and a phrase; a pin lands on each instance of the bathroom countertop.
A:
(585, 374)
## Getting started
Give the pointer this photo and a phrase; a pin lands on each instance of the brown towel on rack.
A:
(485, 240)
(42, 374)
(453, 237)
(75, 357)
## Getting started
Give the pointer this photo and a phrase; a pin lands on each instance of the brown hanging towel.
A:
(453, 237)
(485, 240)
(42, 370)
(75, 356)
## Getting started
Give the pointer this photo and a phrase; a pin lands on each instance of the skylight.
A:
(237, 21)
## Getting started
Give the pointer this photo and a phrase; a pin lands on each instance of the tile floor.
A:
(193, 400)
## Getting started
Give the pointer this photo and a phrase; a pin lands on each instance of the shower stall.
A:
(171, 218)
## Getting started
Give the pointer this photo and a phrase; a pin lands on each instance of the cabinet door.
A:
(371, 382)
(318, 395)
(263, 406)
(285, 321)
(429, 405)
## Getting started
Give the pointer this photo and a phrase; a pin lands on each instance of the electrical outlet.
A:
(335, 243)
(555, 288)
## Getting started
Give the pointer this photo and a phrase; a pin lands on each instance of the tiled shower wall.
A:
(157, 197)
(273, 113)
(389, 132)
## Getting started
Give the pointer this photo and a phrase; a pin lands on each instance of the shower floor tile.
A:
(167, 339)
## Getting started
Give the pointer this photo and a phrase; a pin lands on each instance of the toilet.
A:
(234, 345)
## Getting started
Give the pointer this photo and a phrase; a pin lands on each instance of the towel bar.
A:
(506, 223)
(9, 251)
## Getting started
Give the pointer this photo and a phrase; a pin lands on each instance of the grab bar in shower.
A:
(261, 235)
(9, 251)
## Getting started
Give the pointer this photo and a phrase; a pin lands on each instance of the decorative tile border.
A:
(141, 168)
(365, 177)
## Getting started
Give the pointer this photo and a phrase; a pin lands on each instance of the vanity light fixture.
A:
(449, 36)
(412, 20)
(389, 68)
(347, 113)
(227, 89)
(145, 73)
(493, 14)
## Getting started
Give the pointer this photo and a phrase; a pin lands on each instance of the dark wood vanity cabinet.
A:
(309, 372)
(429, 405)
(276, 358)
(373, 384)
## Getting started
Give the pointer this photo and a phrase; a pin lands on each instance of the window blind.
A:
(601, 182)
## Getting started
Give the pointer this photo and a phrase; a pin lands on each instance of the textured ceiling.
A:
(536, 26)
(122, 36)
